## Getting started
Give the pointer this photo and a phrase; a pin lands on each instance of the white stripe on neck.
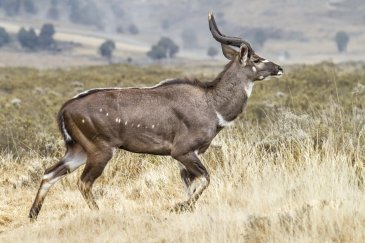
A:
(248, 88)
(221, 121)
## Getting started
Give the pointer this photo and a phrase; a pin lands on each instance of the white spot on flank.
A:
(254, 69)
(101, 110)
(83, 121)
(126, 122)
(153, 126)
(138, 125)
(265, 61)
(248, 88)
(107, 114)
(221, 121)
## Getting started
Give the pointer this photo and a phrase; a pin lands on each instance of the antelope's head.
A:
(253, 66)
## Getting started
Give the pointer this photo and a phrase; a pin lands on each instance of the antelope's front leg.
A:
(195, 177)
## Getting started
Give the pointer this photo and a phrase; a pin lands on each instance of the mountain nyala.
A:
(177, 118)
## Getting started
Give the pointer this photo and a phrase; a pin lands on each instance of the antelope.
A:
(177, 118)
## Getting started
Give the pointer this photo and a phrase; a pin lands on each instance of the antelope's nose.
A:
(280, 71)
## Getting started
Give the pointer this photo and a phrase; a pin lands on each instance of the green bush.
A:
(342, 39)
(4, 37)
(107, 48)
(164, 48)
(46, 40)
(212, 51)
(28, 38)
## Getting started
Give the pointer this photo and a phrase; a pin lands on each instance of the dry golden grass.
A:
(293, 175)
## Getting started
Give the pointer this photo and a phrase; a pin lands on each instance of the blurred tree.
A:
(212, 52)
(30, 7)
(169, 45)
(53, 12)
(45, 39)
(157, 52)
(133, 29)
(11, 7)
(28, 38)
(342, 39)
(107, 48)
(259, 38)
(87, 13)
(164, 48)
(4, 37)
(165, 24)
(189, 38)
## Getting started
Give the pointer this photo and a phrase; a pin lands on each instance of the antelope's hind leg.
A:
(195, 177)
(75, 157)
(94, 167)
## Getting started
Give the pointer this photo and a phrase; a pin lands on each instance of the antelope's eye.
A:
(256, 61)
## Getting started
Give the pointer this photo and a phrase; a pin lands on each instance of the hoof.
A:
(33, 215)
(183, 207)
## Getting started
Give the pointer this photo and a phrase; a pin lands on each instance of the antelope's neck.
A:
(229, 95)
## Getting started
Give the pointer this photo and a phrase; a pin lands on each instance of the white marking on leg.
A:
(138, 125)
(107, 114)
(116, 120)
(199, 184)
(64, 131)
(83, 121)
(126, 122)
(101, 109)
(221, 121)
(153, 126)
(248, 88)
(76, 161)
(48, 176)
(46, 185)
(261, 77)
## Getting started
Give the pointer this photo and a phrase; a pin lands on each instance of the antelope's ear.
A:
(229, 52)
(243, 54)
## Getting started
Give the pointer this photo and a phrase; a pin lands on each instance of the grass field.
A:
(290, 169)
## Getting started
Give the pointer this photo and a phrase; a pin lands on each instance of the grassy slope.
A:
(289, 170)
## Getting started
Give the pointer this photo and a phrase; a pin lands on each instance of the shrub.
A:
(28, 38)
(29, 6)
(157, 52)
(133, 29)
(53, 12)
(169, 45)
(189, 38)
(46, 36)
(87, 14)
(11, 7)
(164, 48)
(4, 37)
(212, 51)
(107, 48)
(342, 39)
